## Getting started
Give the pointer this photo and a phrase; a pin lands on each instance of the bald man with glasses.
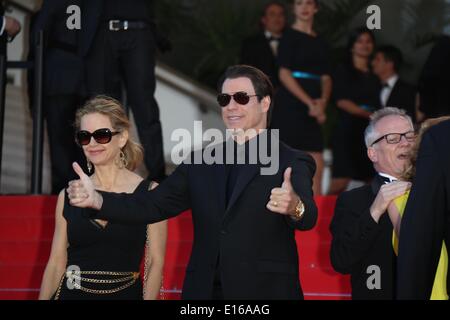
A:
(362, 227)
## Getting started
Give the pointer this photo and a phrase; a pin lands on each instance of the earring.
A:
(89, 166)
(123, 162)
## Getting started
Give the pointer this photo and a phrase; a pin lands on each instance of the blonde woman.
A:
(397, 208)
(95, 259)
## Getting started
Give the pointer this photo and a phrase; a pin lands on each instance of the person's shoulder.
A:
(296, 154)
(405, 85)
(255, 37)
(440, 132)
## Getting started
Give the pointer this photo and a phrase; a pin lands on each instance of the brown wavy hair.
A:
(113, 109)
(410, 171)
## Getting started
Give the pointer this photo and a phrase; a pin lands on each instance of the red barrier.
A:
(26, 230)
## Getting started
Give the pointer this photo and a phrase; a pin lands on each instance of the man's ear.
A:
(372, 154)
(265, 102)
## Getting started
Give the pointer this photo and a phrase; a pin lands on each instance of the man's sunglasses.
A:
(240, 97)
(101, 136)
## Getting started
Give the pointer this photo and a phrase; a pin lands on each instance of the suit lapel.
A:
(376, 184)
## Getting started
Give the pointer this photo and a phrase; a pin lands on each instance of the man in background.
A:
(260, 50)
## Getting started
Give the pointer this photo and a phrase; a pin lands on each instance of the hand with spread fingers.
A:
(82, 192)
(284, 200)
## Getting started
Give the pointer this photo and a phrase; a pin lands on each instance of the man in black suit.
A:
(426, 222)
(434, 82)
(244, 220)
(9, 28)
(62, 86)
(260, 50)
(394, 92)
(361, 227)
(118, 42)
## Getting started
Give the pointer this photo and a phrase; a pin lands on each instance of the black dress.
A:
(300, 52)
(350, 158)
(115, 248)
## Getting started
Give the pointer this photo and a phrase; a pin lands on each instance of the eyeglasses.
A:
(394, 138)
(102, 136)
(240, 97)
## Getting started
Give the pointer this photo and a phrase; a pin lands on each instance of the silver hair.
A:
(371, 134)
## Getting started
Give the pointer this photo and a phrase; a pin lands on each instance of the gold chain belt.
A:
(75, 278)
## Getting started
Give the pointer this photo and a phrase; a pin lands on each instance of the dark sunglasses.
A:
(394, 138)
(240, 97)
(101, 136)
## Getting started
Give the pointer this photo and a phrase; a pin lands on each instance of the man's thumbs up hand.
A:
(284, 200)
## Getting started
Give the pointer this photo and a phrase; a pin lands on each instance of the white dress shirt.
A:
(273, 41)
(387, 89)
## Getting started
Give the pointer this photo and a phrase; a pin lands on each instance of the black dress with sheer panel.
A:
(103, 262)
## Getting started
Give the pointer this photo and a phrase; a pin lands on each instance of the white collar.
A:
(392, 81)
(269, 35)
(391, 178)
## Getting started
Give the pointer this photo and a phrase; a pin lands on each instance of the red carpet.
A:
(26, 231)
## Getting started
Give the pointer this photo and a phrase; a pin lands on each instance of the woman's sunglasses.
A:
(240, 97)
(101, 136)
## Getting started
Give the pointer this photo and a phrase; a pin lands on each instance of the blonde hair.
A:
(410, 171)
(112, 108)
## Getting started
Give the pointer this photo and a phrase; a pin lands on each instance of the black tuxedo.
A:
(257, 248)
(359, 242)
(256, 52)
(426, 222)
(403, 95)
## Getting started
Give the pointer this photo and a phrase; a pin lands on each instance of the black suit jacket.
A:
(257, 248)
(359, 243)
(403, 96)
(426, 222)
(256, 51)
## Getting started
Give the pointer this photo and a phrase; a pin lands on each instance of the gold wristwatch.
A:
(299, 210)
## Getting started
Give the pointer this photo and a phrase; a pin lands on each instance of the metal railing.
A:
(38, 118)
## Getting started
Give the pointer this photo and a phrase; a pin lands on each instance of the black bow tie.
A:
(385, 85)
(272, 38)
(386, 179)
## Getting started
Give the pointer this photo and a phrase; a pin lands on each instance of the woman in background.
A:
(356, 94)
(100, 260)
(306, 86)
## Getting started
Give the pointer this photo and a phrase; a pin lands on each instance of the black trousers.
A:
(129, 56)
(60, 116)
